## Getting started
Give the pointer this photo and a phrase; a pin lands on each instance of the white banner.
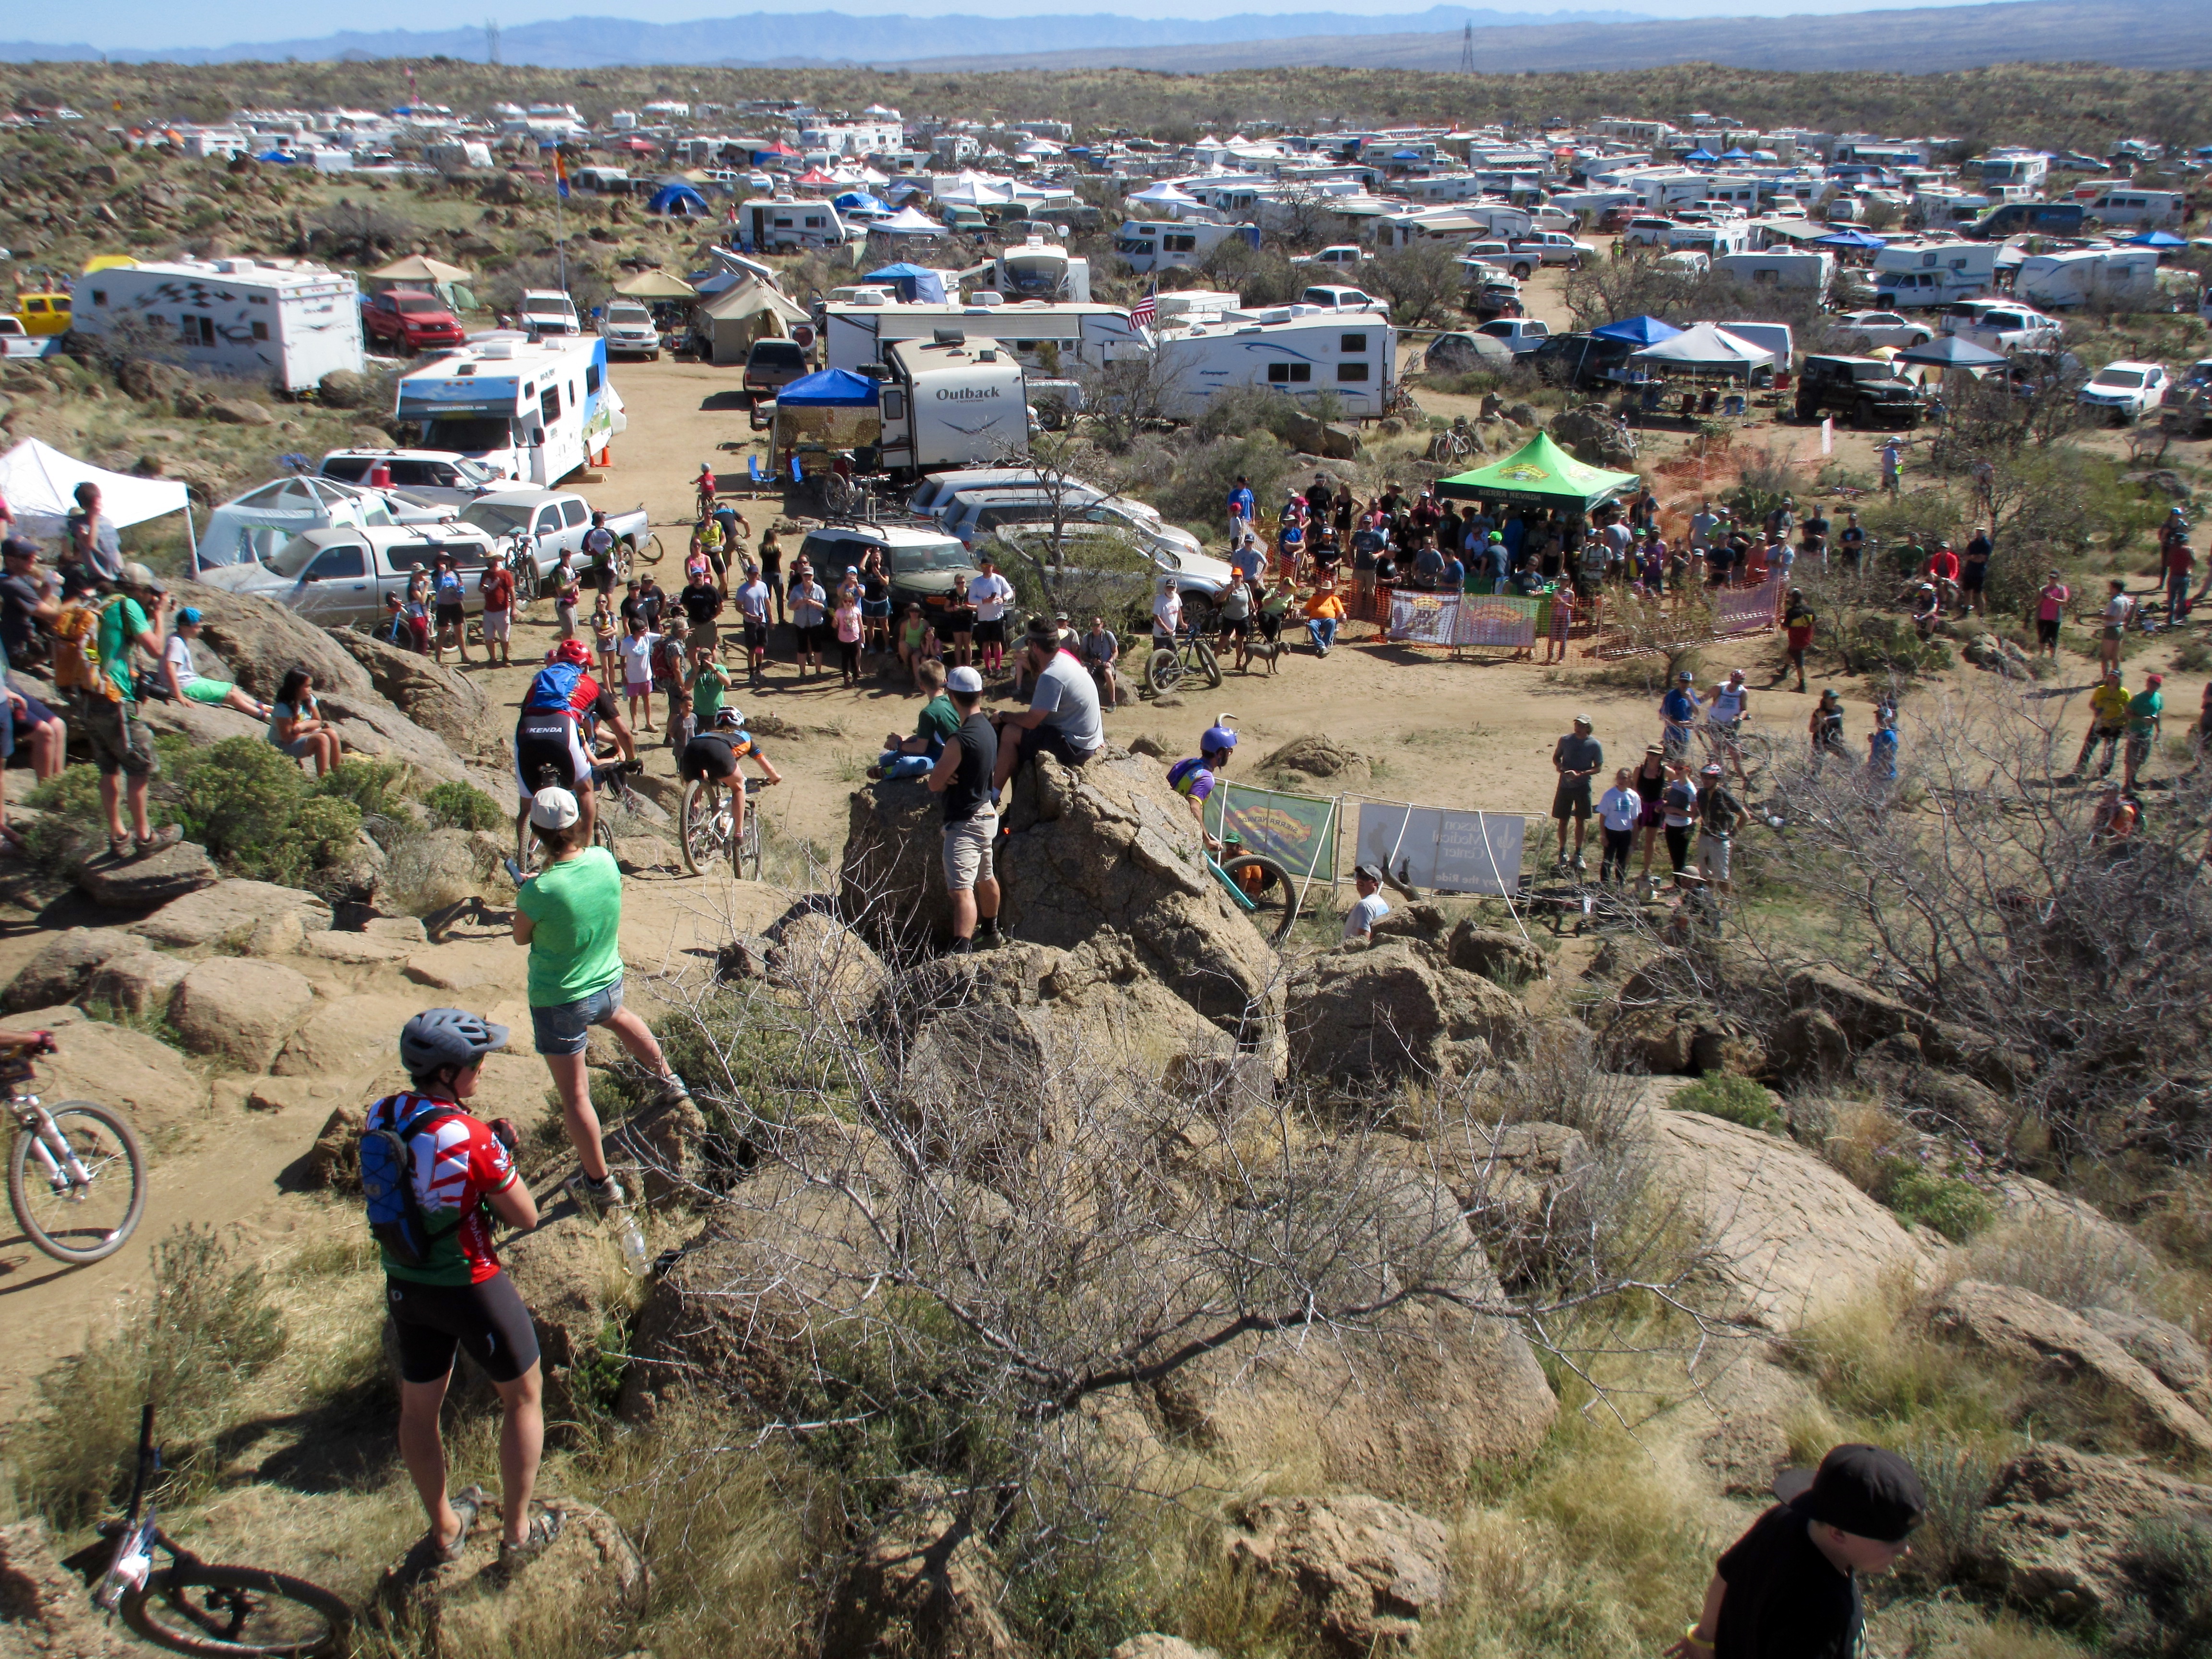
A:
(1828, 435)
(1442, 851)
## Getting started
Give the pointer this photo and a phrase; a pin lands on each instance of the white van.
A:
(1779, 268)
(2143, 210)
(1780, 344)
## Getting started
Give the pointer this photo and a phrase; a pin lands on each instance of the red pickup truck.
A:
(408, 318)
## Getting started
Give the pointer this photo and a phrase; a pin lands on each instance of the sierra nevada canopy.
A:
(1538, 474)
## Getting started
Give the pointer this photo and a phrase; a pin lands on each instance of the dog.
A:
(1267, 650)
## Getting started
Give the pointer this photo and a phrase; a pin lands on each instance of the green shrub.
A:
(373, 787)
(456, 805)
(1931, 1198)
(2167, 1614)
(73, 828)
(251, 808)
(1738, 1099)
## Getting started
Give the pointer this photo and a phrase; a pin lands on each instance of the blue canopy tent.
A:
(818, 415)
(1735, 156)
(1701, 153)
(861, 200)
(282, 157)
(680, 200)
(1854, 240)
(832, 388)
(2159, 238)
(1637, 330)
(916, 285)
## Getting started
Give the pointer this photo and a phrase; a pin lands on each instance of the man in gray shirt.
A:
(1578, 759)
(1062, 720)
(1360, 920)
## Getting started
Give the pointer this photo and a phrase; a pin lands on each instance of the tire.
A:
(745, 856)
(106, 1135)
(255, 1612)
(701, 846)
(1276, 897)
(1162, 671)
(1522, 272)
(526, 849)
(1209, 665)
(1862, 415)
(648, 551)
(1807, 412)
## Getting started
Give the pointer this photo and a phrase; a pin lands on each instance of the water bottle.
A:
(637, 1260)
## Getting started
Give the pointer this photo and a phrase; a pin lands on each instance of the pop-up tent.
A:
(653, 285)
(817, 415)
(1950, 351)
(832, 388)
(1705, 348)
(2158, 239)
(1853, 241)
(1637, 330)
(448, 283)
(1538, 474)
(916, 285)
(40, 482)
(678, 200)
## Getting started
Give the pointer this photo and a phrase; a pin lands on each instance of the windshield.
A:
(547, 304)
(947, 554)
(628, 314)
(494, 520)
(469, 434)
(417, 305)
(2119, 377)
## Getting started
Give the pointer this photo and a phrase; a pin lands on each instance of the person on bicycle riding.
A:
(456, 1296)
(1194, 779)
(554, 738)
(713, 757)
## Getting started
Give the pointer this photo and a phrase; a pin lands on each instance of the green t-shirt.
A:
(2143, 710)
(575, 950)
(707, 693)
(939, 723)
(121, 623)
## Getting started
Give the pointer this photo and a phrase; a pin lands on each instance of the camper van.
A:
(1295, 349)
(950, 401)
(1038, 270)
(1055, 339)
(535, 409)
(1147, 245)
(284, 322)
(1779, 268)
(1911, 275)
(2141, 209)
(780, 224)
(2118, 276)
(1720, 237)
(2028, 219)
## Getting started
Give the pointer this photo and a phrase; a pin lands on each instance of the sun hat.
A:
(554, 809)
(1863, 1490)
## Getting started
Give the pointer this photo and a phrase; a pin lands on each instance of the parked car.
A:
(1462, 354)
(430, 475)
(1549, 247)
(339, 578)
(628, 329)
(1580, 360)
(555, 520)
(16, 341)
(408, 320)
(2125, 390)
(772, 365)
(972, 514)
(1522, 335)
(1865, 330)
(1866, 390)
(1686, 263)
(1346, 255)
(549, 310)
(2002, 326)
(921, 560)
(1649, 230)
(1342, 299)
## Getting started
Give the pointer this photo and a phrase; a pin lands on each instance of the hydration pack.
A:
(555, 685)
(395, 1214)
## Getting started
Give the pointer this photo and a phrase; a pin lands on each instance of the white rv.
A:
(1910, 275)
(1779, 268)
(535, 409)
(1146, 245)
(950, 401)
(1192, 305)
(782, 224)
(1297, 350)
(1039, 270)
(1054, 339)
(2143, 210)
(285, 321)
(2115, 275)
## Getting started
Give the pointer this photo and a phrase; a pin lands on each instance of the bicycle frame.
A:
(61, 1165)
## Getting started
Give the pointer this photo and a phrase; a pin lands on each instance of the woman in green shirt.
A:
(710, 686)
(570, 916)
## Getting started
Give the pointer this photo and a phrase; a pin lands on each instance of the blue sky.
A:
(112, 24)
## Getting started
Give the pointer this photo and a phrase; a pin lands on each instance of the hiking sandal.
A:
(467, 1503)
(545, 1527)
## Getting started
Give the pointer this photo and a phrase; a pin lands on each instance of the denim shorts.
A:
(563, 1029)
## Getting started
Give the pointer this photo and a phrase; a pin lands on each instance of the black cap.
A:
(1861, 1489)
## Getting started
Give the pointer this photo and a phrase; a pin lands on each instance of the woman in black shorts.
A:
(1650, 783)
(959, 623)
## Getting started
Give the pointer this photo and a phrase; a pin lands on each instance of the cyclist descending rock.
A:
(713, 757)
(563, 714)
(1194, 779)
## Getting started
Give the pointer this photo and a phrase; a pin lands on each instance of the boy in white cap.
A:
(962, 776)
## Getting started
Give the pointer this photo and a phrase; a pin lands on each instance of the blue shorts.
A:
(875, 607)
(564, 1029)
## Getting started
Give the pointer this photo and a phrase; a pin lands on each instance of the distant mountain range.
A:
(795, 39)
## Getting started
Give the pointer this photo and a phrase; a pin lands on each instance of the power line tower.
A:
(491, 41)
(1467, 49)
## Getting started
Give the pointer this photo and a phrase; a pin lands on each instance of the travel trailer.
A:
(782, 224)
(2118, 276)
(1779, 268)
(1038, 270)
(1054, 339)
(535, 409)
(1910, 275)
(1148, 244)
(1295, 349)
(950, 401)
(284, 322)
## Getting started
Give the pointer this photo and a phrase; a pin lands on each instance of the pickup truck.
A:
(1519, 335)
(1522, 257)
(555, 520)
(339, 578)
(2002, 326)
(408, 318)
(16, 341)
(1346, 255)
(1330, 298)
(549, 310)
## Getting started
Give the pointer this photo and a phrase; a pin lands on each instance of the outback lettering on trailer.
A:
(965, 394)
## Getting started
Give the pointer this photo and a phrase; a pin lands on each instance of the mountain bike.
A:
(1263, 889)
(1167, 668)
(705, 826)
(611, 779)
(196, 1606)
(76, 1177)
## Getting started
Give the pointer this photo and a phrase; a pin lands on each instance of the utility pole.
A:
(1467, 49)
(491, 41)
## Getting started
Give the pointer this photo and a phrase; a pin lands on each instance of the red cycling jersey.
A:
(455, 1162)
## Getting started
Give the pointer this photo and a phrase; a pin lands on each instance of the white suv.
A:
(2125, 390)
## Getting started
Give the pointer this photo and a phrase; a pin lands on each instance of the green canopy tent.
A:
(1538, 474)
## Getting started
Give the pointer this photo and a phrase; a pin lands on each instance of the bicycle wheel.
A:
(702, 828)
(745, 856)
(1208, 664)
(649, 550)
(1164, 671)
(237, 1612)
(1273, 893)
(526, 849)
(87, 1220)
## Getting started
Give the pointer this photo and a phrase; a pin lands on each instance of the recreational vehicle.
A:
(950, 401)
(2142, 209)
(1038, 270)
(287, 322)
(1147, 245)
(1779, 268)
(2118, 276)
(1913, 274)
(780, 224)
(1054, 339)
(535, 409)
(1294, 349)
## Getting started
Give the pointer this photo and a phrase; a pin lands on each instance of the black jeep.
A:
(1865, 390)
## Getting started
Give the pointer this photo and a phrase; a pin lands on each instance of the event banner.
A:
(1504, 621)
(1747, 610)
(1428, 846)
(1297, 831)
(1422, 618)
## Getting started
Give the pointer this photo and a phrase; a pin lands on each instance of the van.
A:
(2145, 210)
(1780, 268)
(2028, 218)
(1781, 344)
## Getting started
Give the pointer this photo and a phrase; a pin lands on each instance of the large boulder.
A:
(228, 909)
(136, 983)
(825, 964)
(350, 1035)
(1309, 435)
(2060, 1528)
(2170, 1353)
(1320, 757)
(589, 1585)
(2085, 1231)
(141, 1075)
(1790, 1238)
(1458, 928)
(63, 967)
(143, 882)
(2059, 1344)
(1395, 1010)
(1595, 437)
(440, 700)
(1107, 845)
(241, 1009)
(1867, 1016)
(1367, 1571)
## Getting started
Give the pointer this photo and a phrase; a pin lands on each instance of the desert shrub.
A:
(376, 787)
(2194, 656)
(204, 1326)
(1958, 1476)
(251, 807)
(1738, 1099)
(456, 806)
(1931, 1198)
(1199, 493)
(72, 828)
(1875, 643)
(2075, 1266)
(2167, 1612)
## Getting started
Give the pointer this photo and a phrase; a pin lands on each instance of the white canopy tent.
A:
(40, 482)
(1706, 346)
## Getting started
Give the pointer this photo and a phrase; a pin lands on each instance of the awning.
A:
(1854, 240)
(1950, 351)
(1637, 330)
(420, 268)
(653, 285)
(833, 388)
(40, 482)
(1538, 474)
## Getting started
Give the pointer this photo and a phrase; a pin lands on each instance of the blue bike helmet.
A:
(1216, 739)
(439, 1037)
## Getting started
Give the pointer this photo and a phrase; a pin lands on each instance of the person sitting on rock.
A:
(188, 684)
(1360, 920)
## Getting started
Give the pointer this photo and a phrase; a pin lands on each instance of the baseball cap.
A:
(1366, 872)
(554, 809)
(189, 614)
(1863, 1490)
(1686, 677)
(1584, 720)
(2154, 679)
(965, 680)
(135, 574)
(1712, 770)
(15, 547)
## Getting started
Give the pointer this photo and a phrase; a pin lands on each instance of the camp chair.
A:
(754, 475)
(1732, 404)
(796, 476)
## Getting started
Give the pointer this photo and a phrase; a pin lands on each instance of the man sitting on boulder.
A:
(1360, 920)
(1062, 720)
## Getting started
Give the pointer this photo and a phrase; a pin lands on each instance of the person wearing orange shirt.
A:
(1324, 611)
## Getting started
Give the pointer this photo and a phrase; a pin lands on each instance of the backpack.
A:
(395, 1214)
(76, 650)
(554, 686)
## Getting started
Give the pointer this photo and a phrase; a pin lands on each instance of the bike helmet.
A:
(1217, 740)
(728, 719)
(574, 650)
(439, 1037)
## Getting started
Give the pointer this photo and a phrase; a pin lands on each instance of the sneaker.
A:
(597, 1197)
(672, 1089)
(1581, 863)
(545, 1527)
(963, 947)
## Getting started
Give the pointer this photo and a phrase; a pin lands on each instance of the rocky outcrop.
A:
(2170, 1353)
(241, 1009)
(230, 909)
(1367, 1570)
(590, 1585)
(440, 700)
(1866, 1016)
(1151, 1645)
(136, 983)
(1395, 1010)
(2059, 1530)
(63, 967)
(2083, 1229)
(1595, 437)
(1322, 758)
(2057, 1345)
(1455, 926)
(140, 1074)
(142, 883)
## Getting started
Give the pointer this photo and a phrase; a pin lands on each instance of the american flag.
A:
(1142, 317)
